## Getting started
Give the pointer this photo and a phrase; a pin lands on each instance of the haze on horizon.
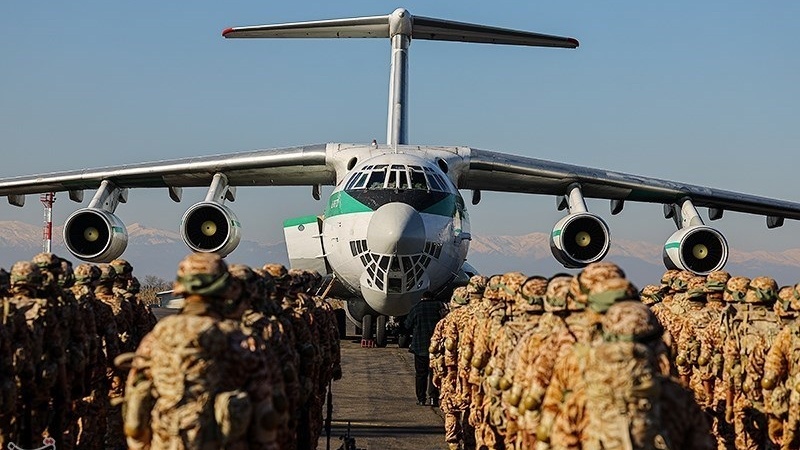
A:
(703, 93)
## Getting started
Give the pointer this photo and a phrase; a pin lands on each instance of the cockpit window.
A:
(397, 177)
(376, 179)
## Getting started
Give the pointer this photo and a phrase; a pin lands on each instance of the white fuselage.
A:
(395, 226)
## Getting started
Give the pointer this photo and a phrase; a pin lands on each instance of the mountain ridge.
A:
(155, 251)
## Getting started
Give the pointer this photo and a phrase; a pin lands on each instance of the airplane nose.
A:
(396, 228)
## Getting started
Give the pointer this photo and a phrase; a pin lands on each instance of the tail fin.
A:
(397, 23)
(400, 27)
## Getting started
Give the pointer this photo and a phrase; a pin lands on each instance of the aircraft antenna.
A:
(47, 232)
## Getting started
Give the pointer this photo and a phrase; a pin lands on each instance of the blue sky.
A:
(702, 92)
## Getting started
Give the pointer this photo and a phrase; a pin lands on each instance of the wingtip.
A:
(226, 31)
(572, 41)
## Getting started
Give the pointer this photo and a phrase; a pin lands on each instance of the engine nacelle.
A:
(699, 249)
(95, 235)
(579, 239)
(210, 227)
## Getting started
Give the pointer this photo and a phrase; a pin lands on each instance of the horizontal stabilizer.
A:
(398, 23)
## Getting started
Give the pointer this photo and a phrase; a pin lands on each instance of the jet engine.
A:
(699, 249)
(579, 239)
(211, 228)
(95, 235)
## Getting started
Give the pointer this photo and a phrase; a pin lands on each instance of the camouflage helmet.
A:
(25, 273)
(784, 305)
(47, 261)
(280, 276)
(592, 274)
(716, 280)
(252, 283)
(204, 274)
(510, 284)
(736, 289)
(66, 276)
(86, 274)
(531, 295)
(493, 286)
(107, 274)
(477, 284)
(557, 293)
(680, 282)
(123, 268)
(609, 291)
(134, 287)
(666, 279)
(796, 300)
(459, 297)
(696, 289)
(652, 294)
(762, 290)
(630, 321)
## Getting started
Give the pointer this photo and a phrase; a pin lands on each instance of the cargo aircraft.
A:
(396, 224)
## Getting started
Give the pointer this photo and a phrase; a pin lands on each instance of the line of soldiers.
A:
(60, 333)
(736, 345)
(566, 362)
(244, 365)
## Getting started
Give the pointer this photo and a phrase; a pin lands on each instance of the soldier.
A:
(618, 396)
(527, 314)
(781, 370)
(141, 318)
(101, 333)
(44, 349)
(745, 353)
(538, 354)
(8, 385)
(104, 292)
(189, 385)
(444, 364)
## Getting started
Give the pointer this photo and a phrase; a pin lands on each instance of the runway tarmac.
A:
(376, 396)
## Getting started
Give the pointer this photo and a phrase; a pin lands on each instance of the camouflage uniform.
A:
(527, 313)
(281, 334)
(8, 383)
(616, 393)
(44, 349)
(444, 366)
(782, 373)
(73, 336)
(745, 351)
(710, 362)
(538, 352)
(195, 379)
(116, 376)
(501, 292)
(254, 291)
(92, 408)
(598, 295)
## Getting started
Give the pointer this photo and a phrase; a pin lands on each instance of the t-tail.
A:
(400, 27)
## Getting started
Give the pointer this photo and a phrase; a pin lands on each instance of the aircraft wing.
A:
(275, 167)
(493, 171)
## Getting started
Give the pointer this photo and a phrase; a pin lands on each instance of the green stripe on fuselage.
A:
(446, 207)
(343, 203)
(299, 221)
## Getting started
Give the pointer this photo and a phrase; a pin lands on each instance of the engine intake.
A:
(210, 227)
(95, 235)
(699, 249)
(579, 239)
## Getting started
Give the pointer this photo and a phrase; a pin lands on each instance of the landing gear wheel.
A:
(366, 331)
(380, 331)
(403, 340)
(341, 323)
